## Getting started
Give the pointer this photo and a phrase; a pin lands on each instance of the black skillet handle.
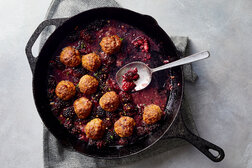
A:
(28, 49)
(203, 145)
(180, 130)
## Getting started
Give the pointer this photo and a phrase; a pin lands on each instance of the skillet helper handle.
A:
(28, 49)
(203, 145)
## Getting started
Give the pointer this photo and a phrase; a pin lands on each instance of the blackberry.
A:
(109, 137)
(108, 123)
(129, 109)
(100, 112)
(125, 97)
(68, 124)
(68, 112)
(140, 131)
(86, 36)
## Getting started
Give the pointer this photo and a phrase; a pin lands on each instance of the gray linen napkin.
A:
(55, 155)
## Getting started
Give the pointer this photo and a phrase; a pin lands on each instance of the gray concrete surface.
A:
(220, 99)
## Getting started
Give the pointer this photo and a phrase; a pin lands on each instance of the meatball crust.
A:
(152, 114)
(109, 101)
(69, 56)
(65, 90)
(91, 62)
(110, 44)
(124, 126)
(88, 84)
(95, 129)
(82, 107)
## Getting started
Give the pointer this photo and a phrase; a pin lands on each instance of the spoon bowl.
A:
(144, 73)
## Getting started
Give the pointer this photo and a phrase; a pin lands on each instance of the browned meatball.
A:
(109, 101)
(70, 57)
(82, 107)
(65, 90)
(95, 129)
(124, 126)
(88, 84)
(152, 113)
(91, 62)
(110, 44)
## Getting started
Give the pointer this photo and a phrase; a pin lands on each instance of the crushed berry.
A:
(141, 43)
(128, 86)
(123, 141)
(107, 122)
(68, 124)
(131, 75)
(100, 144)
(128, 78)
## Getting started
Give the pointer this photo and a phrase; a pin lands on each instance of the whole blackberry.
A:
(109, 137)
(125, 97)
(68, 112)
(68, 124)
(100, 113)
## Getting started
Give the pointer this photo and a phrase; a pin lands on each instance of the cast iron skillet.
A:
(173, 120)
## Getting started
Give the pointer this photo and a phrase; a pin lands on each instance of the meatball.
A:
(88, 84)
(91, 62)
(152, 113)
(110, 44)
(65, 90)
(124, 126)
(109, 101)
(70, 57)
(95, 129)
(82, 107)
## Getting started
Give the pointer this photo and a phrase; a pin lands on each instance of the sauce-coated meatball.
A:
(152, 113)
(110, 44)
(124, 126)
(65, 90)
(109, 101)
(91, 62)
(70, 57)
(88, 84)
(95, 129)
(82, 107)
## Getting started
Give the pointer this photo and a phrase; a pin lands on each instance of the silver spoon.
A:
(145, 72)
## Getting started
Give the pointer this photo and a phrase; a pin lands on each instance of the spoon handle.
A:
(182, 61)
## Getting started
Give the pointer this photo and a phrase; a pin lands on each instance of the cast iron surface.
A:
(174, 123)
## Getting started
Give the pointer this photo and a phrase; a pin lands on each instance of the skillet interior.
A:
(142, 22)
